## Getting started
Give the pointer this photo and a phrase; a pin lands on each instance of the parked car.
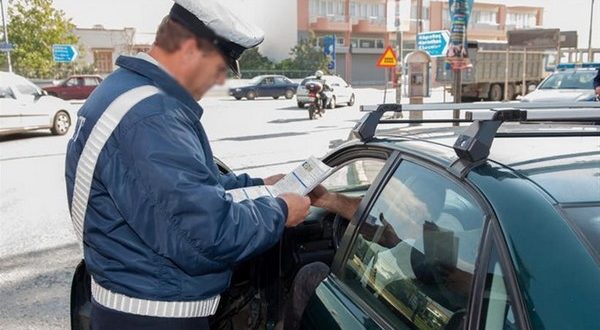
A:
(565, 86)
(75, 87)
(269, 86)
(24, 107)
(341, 92)
(452, 232)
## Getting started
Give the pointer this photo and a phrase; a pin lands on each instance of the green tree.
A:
(253, 60)
(34, 26)
(306, 56)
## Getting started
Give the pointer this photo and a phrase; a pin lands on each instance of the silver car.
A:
(341, 92)
(565, 86)
(25, 107)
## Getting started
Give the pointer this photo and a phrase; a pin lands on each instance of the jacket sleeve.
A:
(178, 207)
(232, 181)
(597, 79)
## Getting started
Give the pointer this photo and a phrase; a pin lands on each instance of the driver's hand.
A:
(273, 179)
(297, 208)
(319, 196)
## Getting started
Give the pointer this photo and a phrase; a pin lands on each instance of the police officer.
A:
(160, 234)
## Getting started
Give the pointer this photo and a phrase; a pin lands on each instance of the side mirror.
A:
(531, 88)
(44, 92)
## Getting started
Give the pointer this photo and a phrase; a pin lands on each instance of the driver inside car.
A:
(433, 261)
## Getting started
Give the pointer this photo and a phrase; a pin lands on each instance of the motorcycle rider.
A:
(326, 88)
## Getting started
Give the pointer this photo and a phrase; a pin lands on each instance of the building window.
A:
(103, 60)
(484, 17)
(332, 9)
(373, 12)
(521, 20)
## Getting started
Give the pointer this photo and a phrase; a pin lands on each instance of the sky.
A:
(145, 15)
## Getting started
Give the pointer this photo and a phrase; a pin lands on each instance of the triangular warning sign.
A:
(387, 59)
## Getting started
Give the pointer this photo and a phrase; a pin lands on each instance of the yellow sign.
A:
(387, 59)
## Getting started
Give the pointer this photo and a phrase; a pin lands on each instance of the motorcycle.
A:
(316, 106)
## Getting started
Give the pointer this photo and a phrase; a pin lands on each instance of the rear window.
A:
(587, 221)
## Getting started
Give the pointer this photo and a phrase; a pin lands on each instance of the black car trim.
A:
(351, 232)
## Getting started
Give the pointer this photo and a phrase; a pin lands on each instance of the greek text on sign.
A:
(435, 42)
(387, 59)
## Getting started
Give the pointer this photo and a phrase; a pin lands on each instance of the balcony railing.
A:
(330, 23)
(369, 25)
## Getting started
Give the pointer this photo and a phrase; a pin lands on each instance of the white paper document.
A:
(301, 180)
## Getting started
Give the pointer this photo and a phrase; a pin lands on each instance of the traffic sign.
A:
(329, 51)
(6, 47)
(64, 53)
(387, 59)
(435, 43)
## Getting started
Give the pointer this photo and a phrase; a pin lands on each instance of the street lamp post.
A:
(590, 59)
(5, 35)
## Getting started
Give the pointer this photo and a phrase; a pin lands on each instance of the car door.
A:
(10, 109)
(408, 260)
(89, 84)
(69, 89)
(28, 95)
(280, 86)
(266, 87)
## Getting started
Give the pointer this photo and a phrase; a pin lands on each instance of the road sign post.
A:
(387, 60)
(64, 53)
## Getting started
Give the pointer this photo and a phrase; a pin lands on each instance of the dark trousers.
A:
(105, 318)
(305, 283)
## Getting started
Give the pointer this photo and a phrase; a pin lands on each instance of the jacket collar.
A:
(161, 79)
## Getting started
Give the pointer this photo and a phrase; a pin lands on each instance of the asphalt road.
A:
(38, 248)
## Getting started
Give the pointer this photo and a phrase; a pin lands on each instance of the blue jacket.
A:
(597, 79)
(159, 225)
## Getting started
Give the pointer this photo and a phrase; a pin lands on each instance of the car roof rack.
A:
(473, 145)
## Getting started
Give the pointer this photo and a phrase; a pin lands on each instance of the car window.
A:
(497, 308)
(25, 87)
(267, 81)
(6, 92)
(307, 79)
(354, 176)
(414, 257)
(90, 81)
(280, 81)
(72, 82)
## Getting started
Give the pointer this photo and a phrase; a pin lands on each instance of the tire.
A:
(289, 94)
(238, 98)
(61, 123)
(275, 97)
(300, 105)
(311, 112)
(251, 95)
(351, 101)
(332, 103)
(496, 93)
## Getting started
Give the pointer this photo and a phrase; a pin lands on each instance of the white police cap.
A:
(209, 19)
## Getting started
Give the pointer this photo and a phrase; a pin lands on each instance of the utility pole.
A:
(5, 35)
(399, 51)
(590, 59)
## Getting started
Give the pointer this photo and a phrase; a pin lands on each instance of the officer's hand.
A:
(271, 180)
(297, 208)
(598, 90)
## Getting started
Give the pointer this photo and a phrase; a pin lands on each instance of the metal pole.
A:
(506, 76)
(590, 59)
(385, 84)
(524, 86)
(5, 35)
(399, 67)
(457, 93)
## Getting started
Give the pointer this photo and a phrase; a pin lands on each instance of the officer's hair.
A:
(170, 35)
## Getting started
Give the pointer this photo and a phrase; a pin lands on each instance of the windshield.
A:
(256, 80)
(587, 221)
(570, 80)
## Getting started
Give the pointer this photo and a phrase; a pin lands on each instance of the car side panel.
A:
(329, 308)
(544, 250)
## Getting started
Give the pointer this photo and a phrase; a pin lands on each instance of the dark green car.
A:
(446, 236)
